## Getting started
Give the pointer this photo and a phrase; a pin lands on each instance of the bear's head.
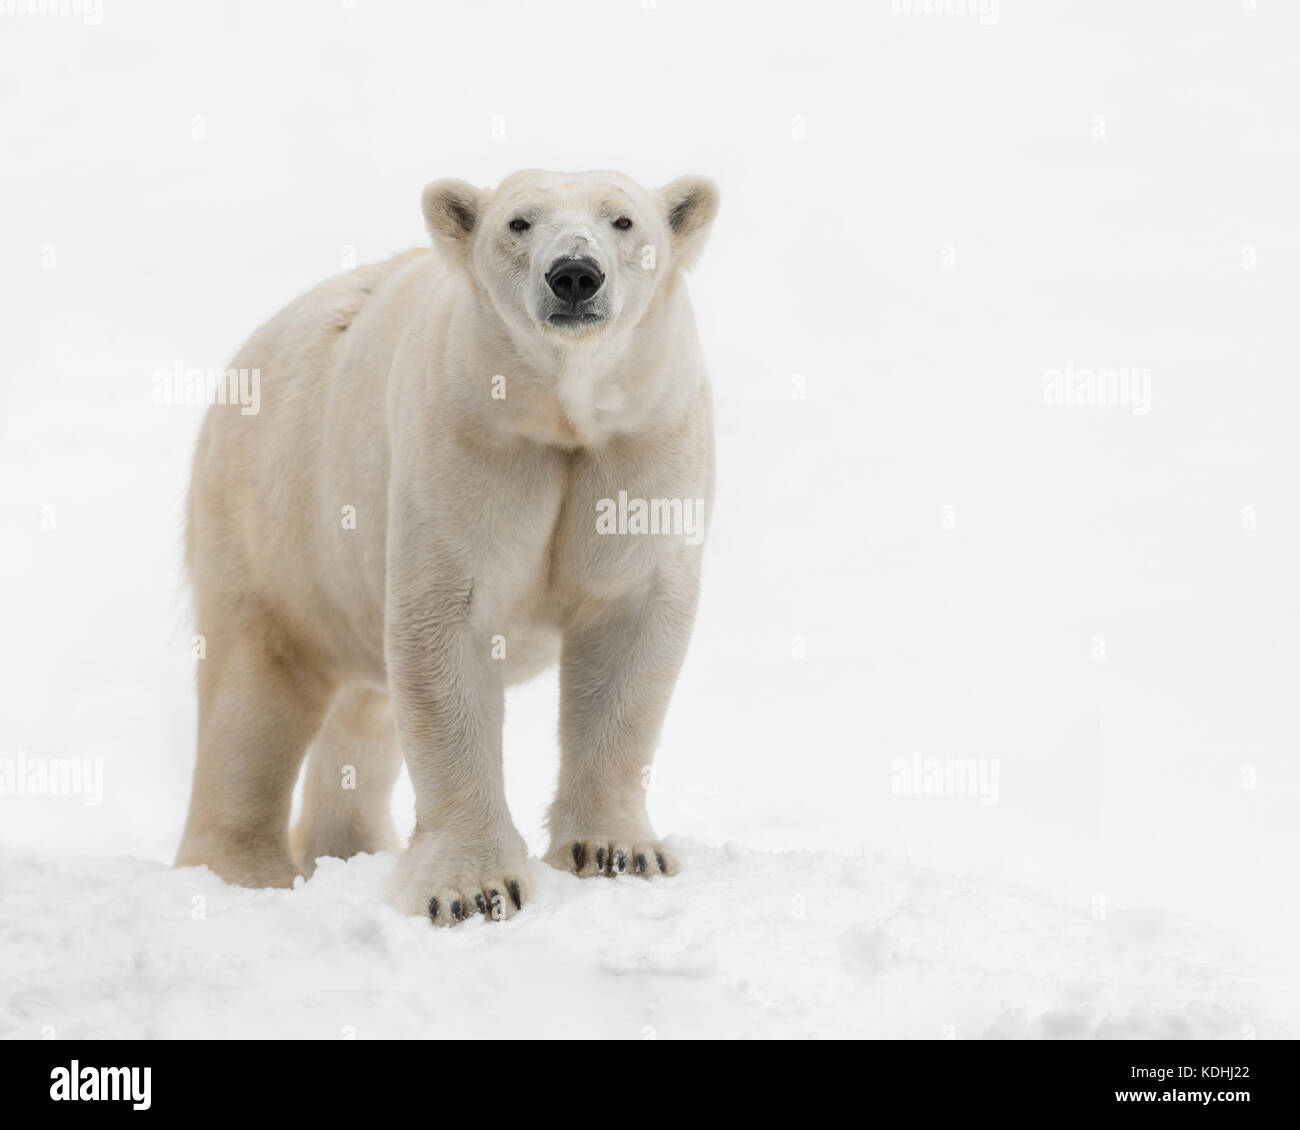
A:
(570, 256)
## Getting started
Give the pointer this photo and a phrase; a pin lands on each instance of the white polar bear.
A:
(409, 524)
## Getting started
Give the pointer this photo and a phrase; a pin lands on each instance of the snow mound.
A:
(742, 943)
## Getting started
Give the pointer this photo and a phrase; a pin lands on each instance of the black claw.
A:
(600, 860)
(659, 858)
(433, 908)
(481, 903)
(513, 888)
(640, 864)
(579, 856)
(494, 896)
(620, 862)
(457, 911)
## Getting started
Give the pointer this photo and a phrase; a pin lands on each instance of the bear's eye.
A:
(622, 223)
(519, 224)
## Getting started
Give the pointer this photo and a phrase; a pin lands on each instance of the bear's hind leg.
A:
(350, 773)
(261, 700)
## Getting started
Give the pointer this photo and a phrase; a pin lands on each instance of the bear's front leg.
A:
(465, 856)
(618, 669)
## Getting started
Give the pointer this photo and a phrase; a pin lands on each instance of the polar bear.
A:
(410, 523)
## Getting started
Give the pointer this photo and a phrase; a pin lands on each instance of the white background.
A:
(921, 216)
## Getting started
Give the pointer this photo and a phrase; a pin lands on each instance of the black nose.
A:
(574, 280)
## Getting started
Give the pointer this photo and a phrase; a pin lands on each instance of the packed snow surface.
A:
(740, 944)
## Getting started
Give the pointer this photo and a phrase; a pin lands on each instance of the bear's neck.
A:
(584, 394)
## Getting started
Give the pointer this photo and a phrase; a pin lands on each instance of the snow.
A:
(742, 944)
(922, 558)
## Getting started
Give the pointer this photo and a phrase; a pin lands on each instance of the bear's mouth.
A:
(580, 318)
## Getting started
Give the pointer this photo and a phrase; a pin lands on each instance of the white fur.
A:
(475, 522)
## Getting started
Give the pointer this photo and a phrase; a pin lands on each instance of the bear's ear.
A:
(451, 210)
(689, 203)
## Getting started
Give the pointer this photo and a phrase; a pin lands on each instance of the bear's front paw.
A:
(449, 885)
(611, 855)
